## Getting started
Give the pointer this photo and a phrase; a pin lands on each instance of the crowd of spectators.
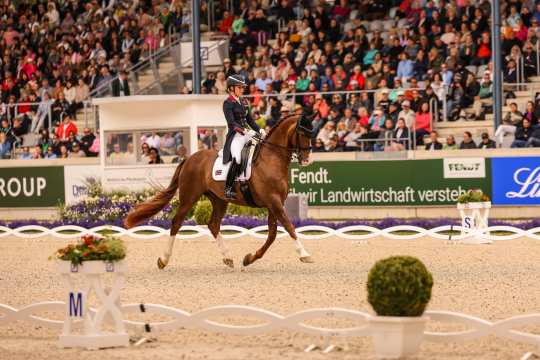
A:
(55, 54)
(421, 53)
(398, 61)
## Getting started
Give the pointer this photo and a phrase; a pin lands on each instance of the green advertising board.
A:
(31, 186)
(390, 183)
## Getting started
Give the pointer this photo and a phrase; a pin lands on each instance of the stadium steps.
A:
(457, 128)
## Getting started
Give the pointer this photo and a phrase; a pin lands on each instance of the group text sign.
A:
(31, 186)
(384, 183)
(516, 181)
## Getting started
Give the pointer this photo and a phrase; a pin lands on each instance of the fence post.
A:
(445, 105)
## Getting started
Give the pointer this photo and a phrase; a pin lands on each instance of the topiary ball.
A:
(203, 212)
(399, 286)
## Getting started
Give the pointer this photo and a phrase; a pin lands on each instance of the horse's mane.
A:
(280, 122)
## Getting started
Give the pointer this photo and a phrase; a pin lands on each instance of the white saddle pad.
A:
(219, 171)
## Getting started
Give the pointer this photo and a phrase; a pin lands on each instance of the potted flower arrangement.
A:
(473, 199)
(399, 289)
(95, 254)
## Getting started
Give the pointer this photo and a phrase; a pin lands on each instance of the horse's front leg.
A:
(281, 215)
(272, 232)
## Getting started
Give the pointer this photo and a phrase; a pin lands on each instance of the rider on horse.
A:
(238, 118)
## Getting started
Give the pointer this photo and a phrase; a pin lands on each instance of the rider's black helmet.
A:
(235, 80)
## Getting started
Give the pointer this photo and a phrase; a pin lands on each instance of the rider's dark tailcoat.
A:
(238, 117)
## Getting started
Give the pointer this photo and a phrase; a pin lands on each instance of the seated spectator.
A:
(486, 142)
(523, 134)
(510, 121)
(154, 157)
(50, 154)
(326, 133)
(385, 134)
(76, 151)
(87, 140)
(376, 121)
(25, 155)
(5, 147)
(319, 146)
(181, 154)
(63, 153)
(37, 153)
(401, 139)
(422, 123)
(434, 143)
(407, 114)
(468, 142)
(450, 143)
(531, 114)
(534, 139)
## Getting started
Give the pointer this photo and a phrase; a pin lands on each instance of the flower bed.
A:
(92, 248)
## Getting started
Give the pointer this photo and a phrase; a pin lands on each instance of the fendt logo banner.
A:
(464, 168)
(31, 186)
(516, 181)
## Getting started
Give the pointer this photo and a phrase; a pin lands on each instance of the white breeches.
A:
(502, 130)
(237, 145)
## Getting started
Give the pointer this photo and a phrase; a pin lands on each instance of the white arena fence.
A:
(296, 322)
(310, 232)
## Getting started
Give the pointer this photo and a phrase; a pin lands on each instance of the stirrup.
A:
(230, 193)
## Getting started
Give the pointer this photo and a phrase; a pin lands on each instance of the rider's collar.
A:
(234, 97)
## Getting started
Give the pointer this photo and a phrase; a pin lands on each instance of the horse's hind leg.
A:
(181, 213)
(272, 232)
(219, 207)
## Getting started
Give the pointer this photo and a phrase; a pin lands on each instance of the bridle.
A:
(295, 151)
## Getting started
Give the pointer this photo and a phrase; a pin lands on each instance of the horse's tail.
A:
(153, 206)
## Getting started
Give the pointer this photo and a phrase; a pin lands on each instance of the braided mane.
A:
(278, 124)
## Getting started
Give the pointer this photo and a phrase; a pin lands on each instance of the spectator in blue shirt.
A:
(5, 146)
(405, 69)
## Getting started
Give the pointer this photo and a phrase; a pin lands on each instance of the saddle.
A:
(248, 155)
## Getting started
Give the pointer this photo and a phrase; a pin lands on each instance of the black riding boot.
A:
(229, 183)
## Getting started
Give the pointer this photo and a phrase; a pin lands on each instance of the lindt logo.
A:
(529, 180)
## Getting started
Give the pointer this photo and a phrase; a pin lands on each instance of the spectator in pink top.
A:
(423, 123)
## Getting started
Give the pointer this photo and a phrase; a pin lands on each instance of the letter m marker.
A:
(75, 305)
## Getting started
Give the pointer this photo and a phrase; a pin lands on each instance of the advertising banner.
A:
(138, 177)
(389, 183)
(31, 186)
(76, 178)
(516, 181)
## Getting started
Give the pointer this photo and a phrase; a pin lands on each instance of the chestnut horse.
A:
(268, 184)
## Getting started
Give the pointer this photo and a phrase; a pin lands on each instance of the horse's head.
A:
(303, 135)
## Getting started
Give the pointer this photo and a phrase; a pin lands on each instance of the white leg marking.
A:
(300, 249)
(169, 250)
(222, 247)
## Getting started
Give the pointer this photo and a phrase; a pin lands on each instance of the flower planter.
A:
(474, 219)
(395, 337)
(77, 308)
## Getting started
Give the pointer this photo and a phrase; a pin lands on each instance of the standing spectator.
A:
(486, 142)
(59, 107)
(66, 128)
(523, 134)
(120, 86)
(5, 147)
(468, 142)
(434, 143)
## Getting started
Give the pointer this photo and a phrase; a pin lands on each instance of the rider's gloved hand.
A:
(251, 133)
(263, 133)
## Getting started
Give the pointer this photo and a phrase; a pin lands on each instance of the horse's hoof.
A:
(307, 259)
(248, 260)
(160, 264)
(229, 262)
